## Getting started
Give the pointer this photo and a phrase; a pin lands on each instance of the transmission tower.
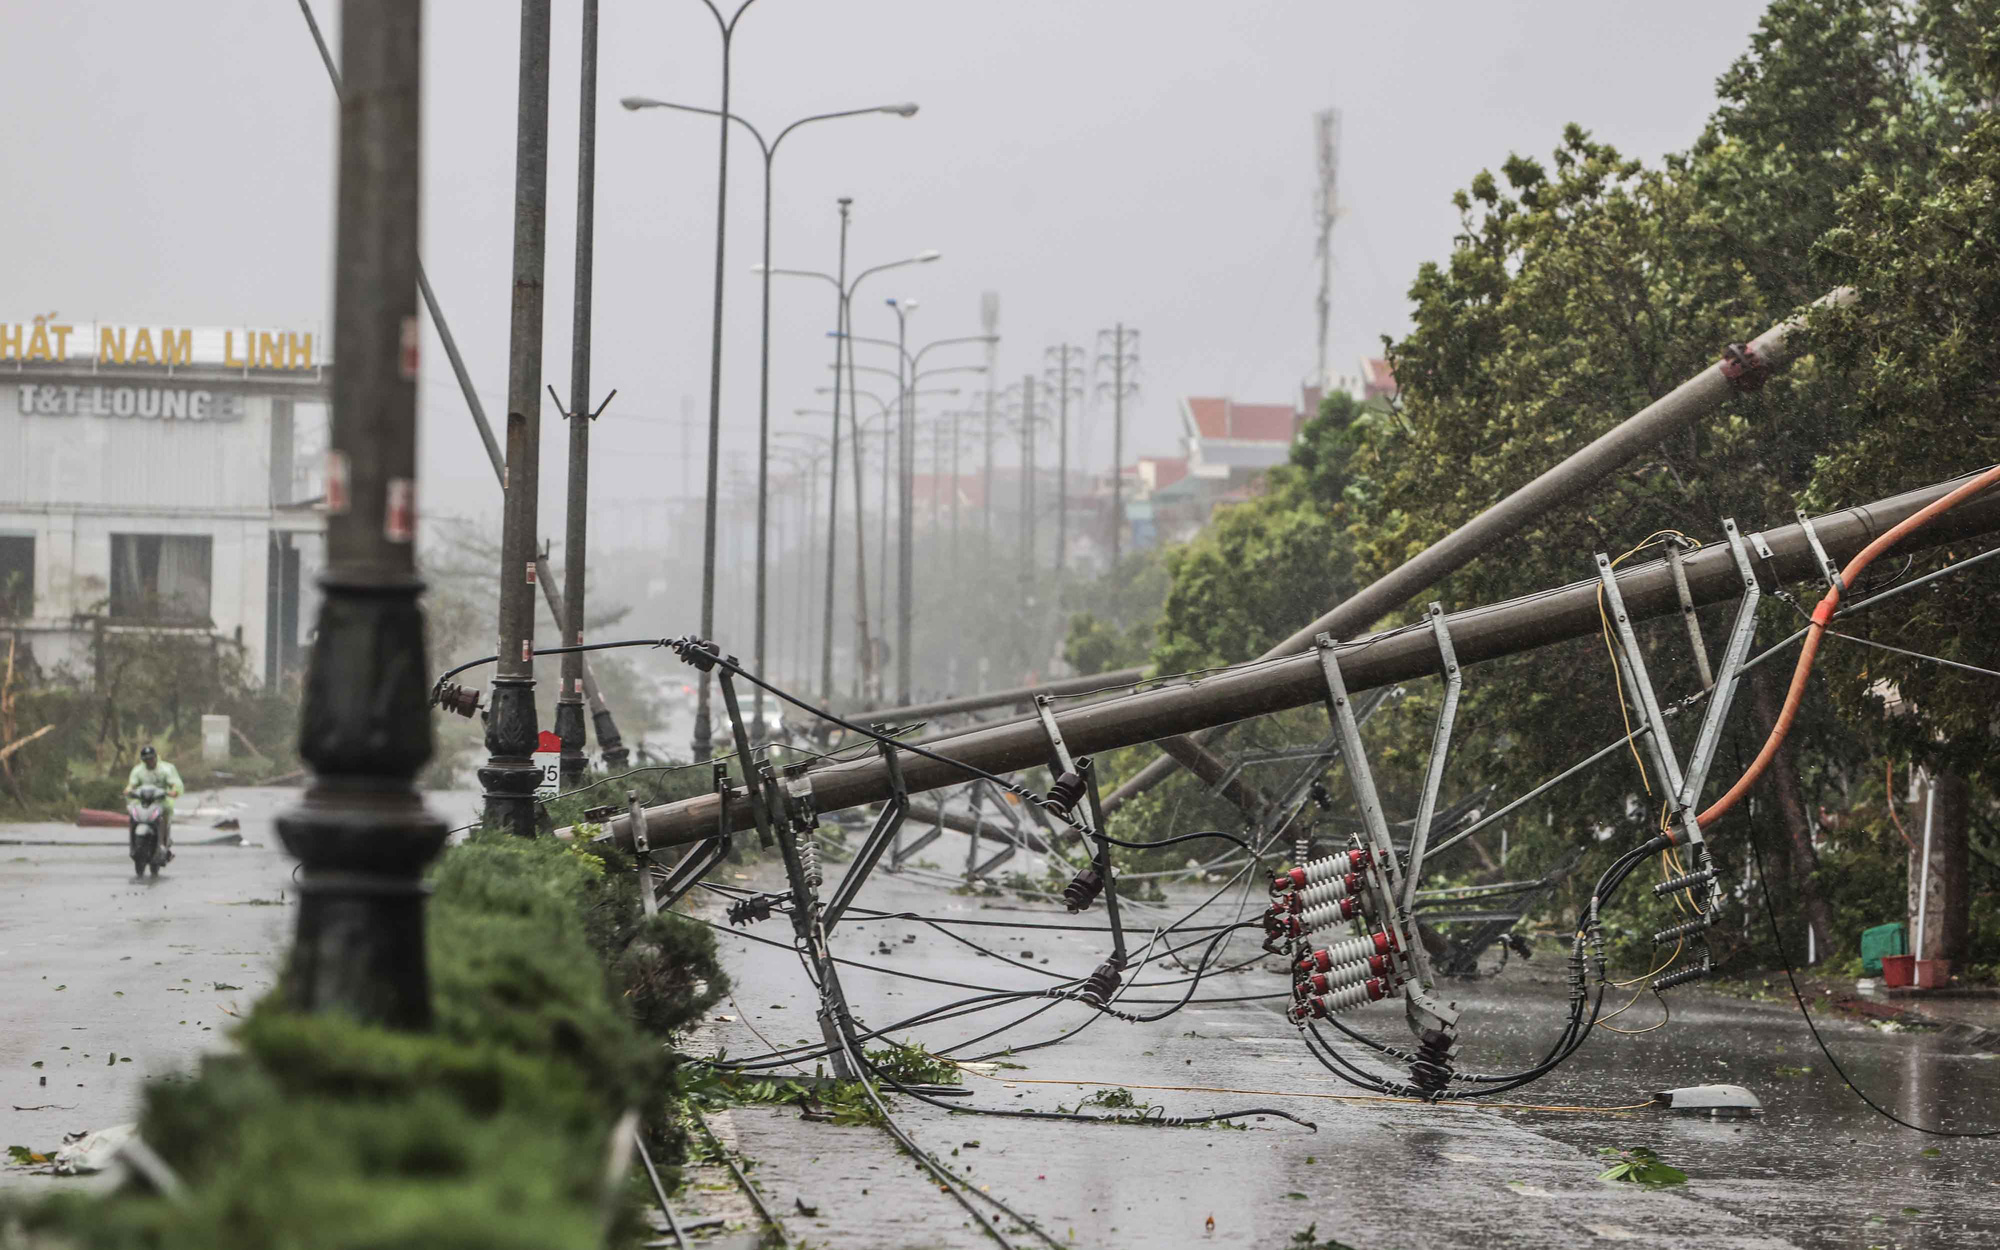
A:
(1064, 379)
(1326, 132)
(1118, 351)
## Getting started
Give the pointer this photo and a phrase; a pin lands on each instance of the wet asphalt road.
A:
(104, 966)
(108, 983)
(1817, 1170)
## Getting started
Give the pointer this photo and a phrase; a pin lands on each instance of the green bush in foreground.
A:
(489, 1131)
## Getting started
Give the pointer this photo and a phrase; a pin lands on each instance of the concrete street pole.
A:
(703, 727)
(906, 451)
(833, 467)
(361, 832)
(510, 774)
(569, 702)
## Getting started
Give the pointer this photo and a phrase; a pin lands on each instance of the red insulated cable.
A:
(1822, 614)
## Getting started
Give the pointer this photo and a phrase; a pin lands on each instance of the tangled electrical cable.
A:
(1345, 973)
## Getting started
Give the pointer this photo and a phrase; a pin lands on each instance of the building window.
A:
(160, 579)
(17, 577)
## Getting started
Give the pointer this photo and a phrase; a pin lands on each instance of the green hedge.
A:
(489, 1131)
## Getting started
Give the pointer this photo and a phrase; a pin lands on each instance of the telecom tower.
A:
(1326, 132)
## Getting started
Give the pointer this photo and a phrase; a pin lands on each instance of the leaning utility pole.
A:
(1743, 367)
(1326, 133)
(609, 741)
(510, 774)
(1122, 355)
(1065, 378)
(569, 702)
(361, 833)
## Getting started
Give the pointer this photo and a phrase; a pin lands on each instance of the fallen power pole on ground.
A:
(1478, 634)
(1743, 367)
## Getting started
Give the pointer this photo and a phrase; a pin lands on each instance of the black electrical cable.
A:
(1771, 915)
(1180, 837)
(1024, 1114)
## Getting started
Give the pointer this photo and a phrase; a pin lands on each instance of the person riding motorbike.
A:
(149, 771)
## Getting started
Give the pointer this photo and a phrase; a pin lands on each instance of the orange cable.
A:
(1822, 614)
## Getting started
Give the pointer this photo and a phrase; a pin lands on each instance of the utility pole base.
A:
(510, 775)
(569, 727)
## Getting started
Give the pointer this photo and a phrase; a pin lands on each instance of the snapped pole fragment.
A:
(1743, 366)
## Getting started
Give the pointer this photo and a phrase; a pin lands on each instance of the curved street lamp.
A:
(770, 153)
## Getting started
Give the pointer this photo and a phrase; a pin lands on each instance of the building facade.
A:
(151, 479)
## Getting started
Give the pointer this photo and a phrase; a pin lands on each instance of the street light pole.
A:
(510, 776)
(361, 832)
(770, 154)
(906, 468)
(569, 701)
(833, 471)
(702, 726)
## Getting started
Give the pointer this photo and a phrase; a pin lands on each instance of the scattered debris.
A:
(1638, 1165)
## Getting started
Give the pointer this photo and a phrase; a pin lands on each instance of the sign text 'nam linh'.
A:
(46, 341)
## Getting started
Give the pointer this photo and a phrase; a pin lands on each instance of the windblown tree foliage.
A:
(1854, 143)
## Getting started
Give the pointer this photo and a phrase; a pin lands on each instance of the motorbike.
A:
(146, 812)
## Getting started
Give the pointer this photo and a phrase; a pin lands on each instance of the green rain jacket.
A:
(165, 776)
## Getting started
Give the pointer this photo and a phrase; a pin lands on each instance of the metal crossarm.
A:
(1688, 616)
(884, 831)
(1440, 750)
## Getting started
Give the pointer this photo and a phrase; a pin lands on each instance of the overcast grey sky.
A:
(1149, 161)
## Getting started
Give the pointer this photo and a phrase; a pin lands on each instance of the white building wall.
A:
(71, 480)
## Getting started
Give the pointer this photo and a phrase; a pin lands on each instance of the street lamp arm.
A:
(900, 110)
(634, 103)
(921, 258)
(967, 338)
(799, 273)
(728, 27)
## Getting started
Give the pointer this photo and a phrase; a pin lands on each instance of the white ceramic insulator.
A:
(1338, 953)
(1313, 919)
(1324, 892)
(1344, 998)
(1337, 865)
(1346, 974)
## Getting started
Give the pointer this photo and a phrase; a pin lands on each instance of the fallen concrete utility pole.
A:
(1018, 696)
(1478, 634)
(609, 741)
(1743, 367)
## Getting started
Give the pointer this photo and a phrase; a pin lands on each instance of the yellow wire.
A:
(1282, 1093)
(1617, 667)
(1666, 1015)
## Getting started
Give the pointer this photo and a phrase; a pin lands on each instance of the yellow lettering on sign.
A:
(10, 342)
(38, 343)
(176, 346)
(142, 348)
(298, 351)
(270, 351)
(110, 345)
(62, 340)
(229, 351)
